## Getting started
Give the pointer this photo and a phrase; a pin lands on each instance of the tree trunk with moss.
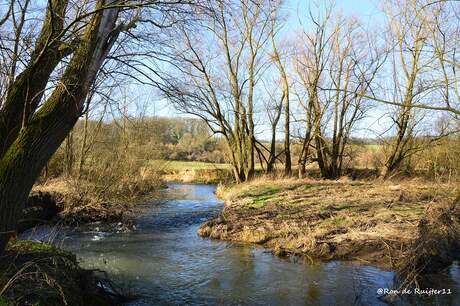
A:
(29, 137)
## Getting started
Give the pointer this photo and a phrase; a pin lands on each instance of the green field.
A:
(176, 165)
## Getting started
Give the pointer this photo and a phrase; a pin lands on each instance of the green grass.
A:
(260, 200)
(335, 222)
(176, 165)
(374, 147)
(29, 246)
(403, 210)
(3, 302)
(263, 191)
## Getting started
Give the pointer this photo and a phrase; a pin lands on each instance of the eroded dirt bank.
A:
(34, 273)
(68, 202)
(371, 222)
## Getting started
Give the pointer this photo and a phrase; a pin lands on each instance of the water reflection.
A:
(166, 263)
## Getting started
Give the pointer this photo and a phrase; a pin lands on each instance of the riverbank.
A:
(74, 202)
(192, 172)
(56, 274)
(371, 222)
(33, 273)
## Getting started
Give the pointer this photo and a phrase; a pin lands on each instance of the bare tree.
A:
(273, 109)
(336, 66)
(408, 32)
(281, 65)
(36, 113)
(221, 66)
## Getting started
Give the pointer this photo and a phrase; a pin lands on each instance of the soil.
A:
(56, 277)
(56, 208)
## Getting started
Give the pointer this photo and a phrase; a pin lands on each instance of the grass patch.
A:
(335, 222)
(345, 206)
(28, 246)
(34, 273)
(365, 220)
(193, 172)
(176, 165)
(261, 200)
(262, 192)
(405, 210)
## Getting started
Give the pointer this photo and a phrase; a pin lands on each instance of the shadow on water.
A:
(166, 263)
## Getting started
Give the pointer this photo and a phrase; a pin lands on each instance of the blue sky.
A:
(365, 9)
(368, 11)
(297, 10)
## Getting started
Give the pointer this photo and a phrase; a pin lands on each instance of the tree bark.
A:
(83, 146)
(272, 157)
(287, 140)
(39, 138)
(25, 93)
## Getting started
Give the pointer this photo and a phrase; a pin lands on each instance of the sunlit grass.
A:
(177, 165)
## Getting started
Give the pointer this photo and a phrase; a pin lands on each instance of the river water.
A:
(164, 262)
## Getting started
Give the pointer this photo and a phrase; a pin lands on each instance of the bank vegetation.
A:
(376, 101)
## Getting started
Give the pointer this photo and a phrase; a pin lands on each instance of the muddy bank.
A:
(45, 208)
(371, 222)
(56, 277)
(69, 202)
(41, 208)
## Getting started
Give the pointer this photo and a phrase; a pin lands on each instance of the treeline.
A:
(235, 65)
(243, 71)
(95, 144)
(97, 148)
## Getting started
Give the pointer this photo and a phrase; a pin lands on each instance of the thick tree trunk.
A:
(251, 156)
(302, 162)
(41, 136)
(83, 146)
(320, 155)
(251, 134)
(26, 92)
(69, 155)
(302, 169)
(396, 154)
(23, 162)
(287, 118)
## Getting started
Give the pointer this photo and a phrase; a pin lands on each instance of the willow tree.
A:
(409, 36)
(29, 132)
(281, 65)
(336, 66)
(424, 39)
(221, 65)
(48, 79)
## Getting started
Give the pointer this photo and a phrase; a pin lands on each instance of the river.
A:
(164, 262)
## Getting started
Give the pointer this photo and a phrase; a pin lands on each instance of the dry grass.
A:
(106, 197)
(177, 165)
(33, 273)
(370, 221)
(198, 173)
